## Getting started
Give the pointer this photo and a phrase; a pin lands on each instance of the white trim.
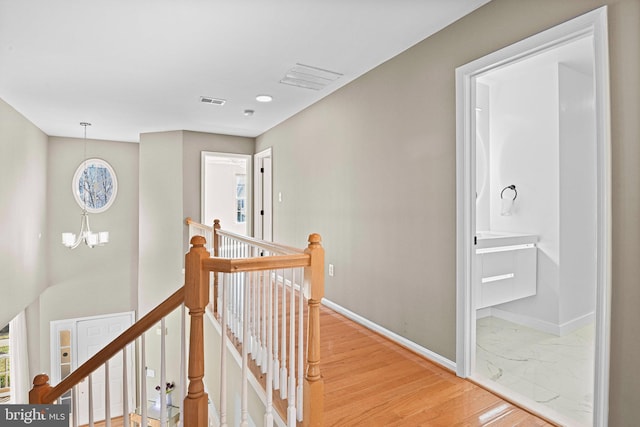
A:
(404, 342)
(540, 325)
(204, 155)
(79, 175)
(592, 23)
(55, 326)
(258, 225)
(532, 406)
(505, 248)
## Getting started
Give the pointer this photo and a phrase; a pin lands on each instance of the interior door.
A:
(93, 335)
(263, 196)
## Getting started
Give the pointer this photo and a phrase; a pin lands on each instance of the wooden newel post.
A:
(313, 383)
(216, 253)
(196, 299)
(40, 388)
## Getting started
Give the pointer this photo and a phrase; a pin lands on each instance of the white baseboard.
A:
(543, 325)
(483, 312)
(404, 342)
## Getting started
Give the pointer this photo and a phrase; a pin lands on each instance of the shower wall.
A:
(541, 141)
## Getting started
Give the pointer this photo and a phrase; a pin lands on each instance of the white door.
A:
(263, 196)
(91, 336)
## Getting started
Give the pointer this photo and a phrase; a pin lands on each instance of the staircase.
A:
(263, 300)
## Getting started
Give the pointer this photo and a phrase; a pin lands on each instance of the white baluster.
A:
(276, 343)
(125, 385)
(163, 373)
(143, 381)
(223, 356)
(237, 307)
(232, 293)
(183, 357)
(90, 385)
(265, 312)
(255, 348)
(107, 397)
(300, 344)
(74, 405)
(248, 293)
(291, 409)
(268, 416)
(244, 418)
(283, 368)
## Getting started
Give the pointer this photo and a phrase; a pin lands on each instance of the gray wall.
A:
(169, 192)
(372, 168)
(23, 236)
(84, 281)
(194, 144)
(160, 204)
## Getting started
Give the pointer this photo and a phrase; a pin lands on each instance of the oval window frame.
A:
(77, 176)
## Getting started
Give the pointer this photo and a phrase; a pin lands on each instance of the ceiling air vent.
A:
(309, 77)
(210, 100)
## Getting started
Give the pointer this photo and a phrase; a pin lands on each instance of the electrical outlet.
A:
(330, 270)
(151, 373)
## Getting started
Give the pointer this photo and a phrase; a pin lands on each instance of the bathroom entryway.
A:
(533, 221)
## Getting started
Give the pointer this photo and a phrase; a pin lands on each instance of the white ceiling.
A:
(137, 66)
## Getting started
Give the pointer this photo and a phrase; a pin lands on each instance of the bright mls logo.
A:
(34, 415)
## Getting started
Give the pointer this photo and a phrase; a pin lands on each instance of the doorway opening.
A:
(533, 226)
(226, 191)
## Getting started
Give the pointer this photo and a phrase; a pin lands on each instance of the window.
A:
(65, 362)
(95, 185)
(5, 381)
(241, 198)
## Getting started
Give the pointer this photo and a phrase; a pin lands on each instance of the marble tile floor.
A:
(554, 371)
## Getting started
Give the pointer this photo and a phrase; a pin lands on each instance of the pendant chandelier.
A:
(87, 236)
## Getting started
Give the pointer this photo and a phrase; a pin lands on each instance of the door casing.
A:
(593, 23)
(205, 181)
(126, 318)
(263, 195)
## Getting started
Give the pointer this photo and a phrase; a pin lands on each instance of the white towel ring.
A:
(509, 187)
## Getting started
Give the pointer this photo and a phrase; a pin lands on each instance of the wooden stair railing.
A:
(311, 259)
(195, 295)
(43, 393)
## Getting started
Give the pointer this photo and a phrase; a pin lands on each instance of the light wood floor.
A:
(371, 381)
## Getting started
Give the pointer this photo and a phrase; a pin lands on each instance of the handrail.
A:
(190, 221)
(195, 295)
(45, 394)
(262, 244)
(237, 265)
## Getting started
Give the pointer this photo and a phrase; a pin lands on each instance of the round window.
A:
(94, 185)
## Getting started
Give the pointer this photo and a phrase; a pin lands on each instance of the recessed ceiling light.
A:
(264, 98)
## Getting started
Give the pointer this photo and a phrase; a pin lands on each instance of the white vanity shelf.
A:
(505, 267)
